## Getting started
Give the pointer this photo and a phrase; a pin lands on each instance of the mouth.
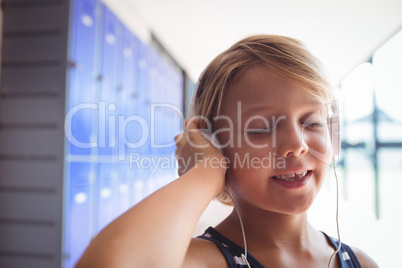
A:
(292, 176)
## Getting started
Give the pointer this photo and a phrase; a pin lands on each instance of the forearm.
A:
(157, 231)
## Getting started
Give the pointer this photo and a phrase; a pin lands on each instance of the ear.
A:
(333, 122)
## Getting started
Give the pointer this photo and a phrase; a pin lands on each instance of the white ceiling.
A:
(341, 33)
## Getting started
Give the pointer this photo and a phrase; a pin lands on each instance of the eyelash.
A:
(260, 131)
(313, 124)
(268, 130)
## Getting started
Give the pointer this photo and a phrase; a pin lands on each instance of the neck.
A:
(266, 228)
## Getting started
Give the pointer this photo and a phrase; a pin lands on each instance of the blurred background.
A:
(93, 92)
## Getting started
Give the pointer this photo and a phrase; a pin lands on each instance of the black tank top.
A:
(232, 251)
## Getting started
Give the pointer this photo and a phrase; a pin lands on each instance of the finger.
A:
(178, 153)
(179, 138)
(192, 128)
(192, 123)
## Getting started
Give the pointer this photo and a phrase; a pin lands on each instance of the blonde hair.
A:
(285, 56)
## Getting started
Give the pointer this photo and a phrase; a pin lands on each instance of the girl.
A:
(265, 100)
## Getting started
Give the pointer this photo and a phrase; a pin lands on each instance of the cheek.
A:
(243, 165)
(251, 160)
(319, 146)
(246, 184)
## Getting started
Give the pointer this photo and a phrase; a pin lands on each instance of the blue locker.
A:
(136, 43)
(163, 66)
(171, 92)
(134, 128)
(174, 99)
(143, 110)
(132, 176)
(79, 217)
(156, 123)
(81, 101)
(108, 139)
(81, 115)
(153, 59)
(142, 71)
(169, 72)
(124, 188)
(162, 127)
(135, 184)
(110, 98)
(140, 166)
(139, 127)
(151, 97)
(129, 53)
(128, 67)
(141, 85)
(178, 97)
(126, 131)
(177, 101)
(107, 194)
(170, 114)
(139, 185)
(119, 86)
(145, 104)
(120, 196)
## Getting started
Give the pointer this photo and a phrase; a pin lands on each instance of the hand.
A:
(193, 147)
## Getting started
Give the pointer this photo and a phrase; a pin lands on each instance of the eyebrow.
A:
(257, 110)
(265, 108)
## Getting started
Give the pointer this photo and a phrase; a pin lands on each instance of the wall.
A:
(58, 55)
(35, 35)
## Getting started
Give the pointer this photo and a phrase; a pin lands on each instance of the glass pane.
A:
(357, 92)
(357, 97)
(387, 63)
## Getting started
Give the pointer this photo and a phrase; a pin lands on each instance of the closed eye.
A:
(259, 131)
(312, 124)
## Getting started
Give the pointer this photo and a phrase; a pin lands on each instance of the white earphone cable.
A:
(337, 215)
(243, 256)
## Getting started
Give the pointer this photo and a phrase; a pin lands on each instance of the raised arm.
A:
(157, 231)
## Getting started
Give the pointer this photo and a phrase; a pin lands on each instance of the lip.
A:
(292, 171)
(294, 184)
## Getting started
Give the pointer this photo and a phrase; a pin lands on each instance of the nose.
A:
(291, 141)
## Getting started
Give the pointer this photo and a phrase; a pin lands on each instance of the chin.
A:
(299, 211)
(300, 208)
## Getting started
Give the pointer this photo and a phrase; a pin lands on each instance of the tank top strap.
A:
(346, 256)
(231, 251)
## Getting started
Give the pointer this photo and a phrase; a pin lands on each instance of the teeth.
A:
(292, 176)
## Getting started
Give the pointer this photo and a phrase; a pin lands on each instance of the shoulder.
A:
(203, 254)
(365, 260)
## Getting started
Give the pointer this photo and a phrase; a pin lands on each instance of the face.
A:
(272, 131)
